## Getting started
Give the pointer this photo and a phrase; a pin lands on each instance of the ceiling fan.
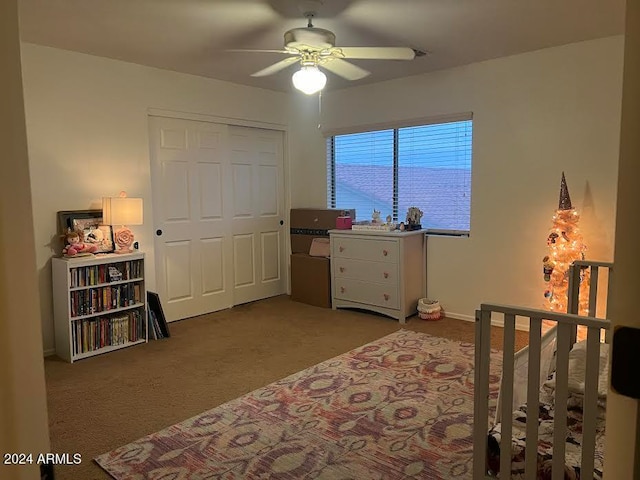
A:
(314, 47)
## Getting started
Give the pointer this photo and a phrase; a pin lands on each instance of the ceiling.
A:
(194, 36)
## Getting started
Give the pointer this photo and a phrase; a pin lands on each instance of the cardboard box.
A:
(308, 223)
(320, 247)
(311, 280)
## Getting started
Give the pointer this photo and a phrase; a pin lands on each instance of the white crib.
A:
(544, 354)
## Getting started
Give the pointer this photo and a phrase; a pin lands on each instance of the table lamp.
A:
(122, 211)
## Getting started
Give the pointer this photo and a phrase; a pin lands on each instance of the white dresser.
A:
(380, 271)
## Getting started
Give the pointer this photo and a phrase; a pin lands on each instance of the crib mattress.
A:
(573, 446)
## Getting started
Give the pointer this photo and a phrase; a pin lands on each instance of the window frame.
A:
(331, 165)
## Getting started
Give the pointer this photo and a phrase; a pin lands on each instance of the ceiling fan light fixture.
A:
(309, 79)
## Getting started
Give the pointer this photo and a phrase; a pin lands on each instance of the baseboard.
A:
(521, 323)
(50, 352)
(459, 316)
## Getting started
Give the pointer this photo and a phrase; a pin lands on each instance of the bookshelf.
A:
(99, 304)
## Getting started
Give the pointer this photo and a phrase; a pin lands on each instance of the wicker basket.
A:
(429, 309)
(430, 316)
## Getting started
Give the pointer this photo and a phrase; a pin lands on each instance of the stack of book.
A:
(376, 227)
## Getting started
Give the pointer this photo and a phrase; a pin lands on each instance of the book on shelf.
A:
(90, 334)
(115, 275)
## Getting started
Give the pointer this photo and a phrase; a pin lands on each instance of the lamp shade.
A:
(309, 79)
(122, 211)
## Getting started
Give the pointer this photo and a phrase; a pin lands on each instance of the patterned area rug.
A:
(399, 407)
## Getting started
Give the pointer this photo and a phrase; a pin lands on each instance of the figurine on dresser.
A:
(414, 214)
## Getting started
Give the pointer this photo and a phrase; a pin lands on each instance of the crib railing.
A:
(567, 324)
(573, 293)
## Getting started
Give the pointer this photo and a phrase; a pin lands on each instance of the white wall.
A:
(23, 403)
(623, 423)
(535, 115)
(308, 167)
(88, 137)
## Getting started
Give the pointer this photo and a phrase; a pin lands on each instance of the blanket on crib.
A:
(545, 440)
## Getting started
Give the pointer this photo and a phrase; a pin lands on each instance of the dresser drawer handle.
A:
(385, 253)
(341, 249)
(341, 269)
(386, 274)
(342, 289)
(386, 297)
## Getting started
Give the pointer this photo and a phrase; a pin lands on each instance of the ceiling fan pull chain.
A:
(320, 109)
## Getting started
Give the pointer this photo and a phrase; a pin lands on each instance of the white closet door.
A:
(189, 168)
(218, 197)
(257, 185)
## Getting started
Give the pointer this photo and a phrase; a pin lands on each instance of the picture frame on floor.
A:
(158, 327)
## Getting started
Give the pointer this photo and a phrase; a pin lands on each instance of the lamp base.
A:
(123, 239)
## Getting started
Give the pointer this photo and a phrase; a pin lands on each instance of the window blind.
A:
(425, 166)
(434, 174)
(363, 172)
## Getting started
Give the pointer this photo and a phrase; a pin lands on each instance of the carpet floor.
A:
(101, 403)
(397, 407)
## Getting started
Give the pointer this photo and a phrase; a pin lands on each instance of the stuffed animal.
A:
(75, 245)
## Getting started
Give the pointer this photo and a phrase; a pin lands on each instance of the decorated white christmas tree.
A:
(565, 246)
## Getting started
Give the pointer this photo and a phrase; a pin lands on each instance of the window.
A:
(425, 166)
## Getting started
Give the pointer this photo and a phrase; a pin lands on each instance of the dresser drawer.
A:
(377, 272)
(360, 291)
(365, 249)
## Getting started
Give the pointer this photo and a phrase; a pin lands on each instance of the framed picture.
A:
(65, 219)
(89, 222)
(99, 235)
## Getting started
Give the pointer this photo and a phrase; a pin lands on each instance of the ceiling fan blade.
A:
(344, 69)
(253, 50)
(276, 67)
(377, 53)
